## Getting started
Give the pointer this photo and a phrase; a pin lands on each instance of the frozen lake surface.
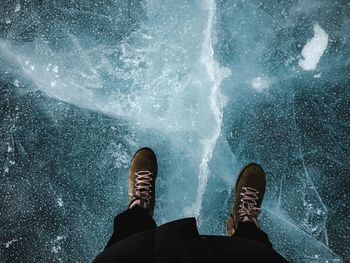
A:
(209, 85)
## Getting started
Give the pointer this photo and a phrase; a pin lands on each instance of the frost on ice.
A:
(313, 49)
(59, 201)
(9, 243)
(260, 83)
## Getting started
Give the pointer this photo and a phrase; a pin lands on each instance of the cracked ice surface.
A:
(210, 85)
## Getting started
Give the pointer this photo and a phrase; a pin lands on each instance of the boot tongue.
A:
(138, 202)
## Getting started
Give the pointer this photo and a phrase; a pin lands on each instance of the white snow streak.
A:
(216, 75)
(313, 49)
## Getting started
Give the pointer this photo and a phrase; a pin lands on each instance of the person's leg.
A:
(130, 222)
(249, 193)
(249, 230)
(138, 217)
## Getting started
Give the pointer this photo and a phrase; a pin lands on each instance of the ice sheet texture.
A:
(209, 85)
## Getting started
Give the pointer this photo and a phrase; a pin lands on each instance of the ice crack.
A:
(216, 75)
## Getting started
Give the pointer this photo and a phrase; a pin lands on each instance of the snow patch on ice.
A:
(9, 243)
(57, 244)
(55, 69)
(18, 7)
(59, 201)
(58, 238)
(313, 49)
(260, 83)
(9, 148)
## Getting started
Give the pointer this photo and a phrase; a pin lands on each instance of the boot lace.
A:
(248, 210)
(142, 189)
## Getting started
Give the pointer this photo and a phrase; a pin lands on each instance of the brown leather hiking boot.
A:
(250, 190)
(142, 177)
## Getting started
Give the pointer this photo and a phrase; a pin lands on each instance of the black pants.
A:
(137, 219)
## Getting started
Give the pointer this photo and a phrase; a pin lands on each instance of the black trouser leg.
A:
(249, 230)
(130, 222)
